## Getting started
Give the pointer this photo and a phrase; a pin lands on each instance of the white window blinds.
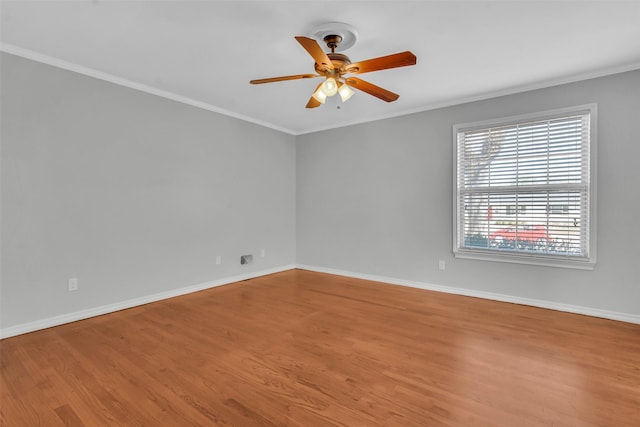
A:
(524, 187)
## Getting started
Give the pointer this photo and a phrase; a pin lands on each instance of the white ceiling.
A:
(205, 52)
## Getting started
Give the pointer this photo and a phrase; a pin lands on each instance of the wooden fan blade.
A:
(396, 60)
(371, 89)
(313, 103)
(315, 51)
(279, 79)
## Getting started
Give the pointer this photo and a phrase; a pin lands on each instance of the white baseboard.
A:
(110, 308)
(588, 311)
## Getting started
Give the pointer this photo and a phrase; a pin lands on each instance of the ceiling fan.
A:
(335, 66)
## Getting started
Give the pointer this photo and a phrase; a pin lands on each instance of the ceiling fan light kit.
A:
(319, 95)
(334, 66)
(344, 91)
(330, 86)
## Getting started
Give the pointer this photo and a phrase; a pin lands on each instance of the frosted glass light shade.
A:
(330, 86)
(319, 96)
(345, 92)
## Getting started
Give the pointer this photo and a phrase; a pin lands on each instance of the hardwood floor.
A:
(308, 349)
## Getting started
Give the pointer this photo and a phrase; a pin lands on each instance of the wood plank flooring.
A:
(300, 348)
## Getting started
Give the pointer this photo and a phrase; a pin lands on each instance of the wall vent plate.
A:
(246, 259)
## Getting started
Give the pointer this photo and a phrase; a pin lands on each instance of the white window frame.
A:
(522, 257)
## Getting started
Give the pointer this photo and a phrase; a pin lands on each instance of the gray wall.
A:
(131, 193)
(376, 199)
(136, 195)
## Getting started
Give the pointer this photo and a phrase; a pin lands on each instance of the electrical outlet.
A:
(263, 252)
(246, 259)
(441, 265)
(73, 284)
(218, 260)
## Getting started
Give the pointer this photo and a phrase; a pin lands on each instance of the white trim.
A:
(484, 96)
(59, 63)
(110, 308)
(522, 257)
(588, 311)
(590, 108)
(45, 59)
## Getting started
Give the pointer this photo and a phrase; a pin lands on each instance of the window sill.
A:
(530, 259)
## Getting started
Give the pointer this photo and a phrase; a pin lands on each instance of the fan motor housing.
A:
(340, 63)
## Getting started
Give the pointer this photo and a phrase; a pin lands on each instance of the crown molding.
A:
(59, 63)
(489, 95)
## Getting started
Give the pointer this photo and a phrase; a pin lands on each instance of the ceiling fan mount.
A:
(335, 66)
(328, 32)
(332, 41)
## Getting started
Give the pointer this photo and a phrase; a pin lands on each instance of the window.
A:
(525, 189)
